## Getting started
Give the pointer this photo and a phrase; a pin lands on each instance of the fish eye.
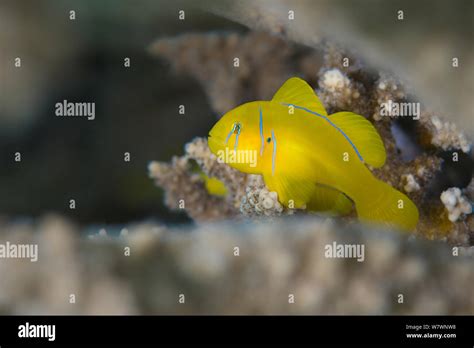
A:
(236, 128)
(269, 139)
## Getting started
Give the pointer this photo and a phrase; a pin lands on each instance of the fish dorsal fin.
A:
(297, 92)
(363, 135)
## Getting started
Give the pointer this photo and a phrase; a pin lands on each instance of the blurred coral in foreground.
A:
(273, 262)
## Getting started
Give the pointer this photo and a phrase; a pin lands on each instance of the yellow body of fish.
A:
(312, 160)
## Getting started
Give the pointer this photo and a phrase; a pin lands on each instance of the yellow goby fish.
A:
(311, 159)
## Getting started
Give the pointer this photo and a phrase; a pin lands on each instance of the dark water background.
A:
(136, 107)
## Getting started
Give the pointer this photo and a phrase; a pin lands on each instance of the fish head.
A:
(235, 138)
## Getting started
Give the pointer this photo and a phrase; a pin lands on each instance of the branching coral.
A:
(241, 67)
(410, 183)
(386, 88)
(342, 84)
(446, 135)
(185, 189)
(259, 201)
(338, 92)
(455, 203)
(234, 180)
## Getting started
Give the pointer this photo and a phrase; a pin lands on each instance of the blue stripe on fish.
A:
(236, 141)
(274, 152)
(228, 136)
(332, 124)
(261, 133)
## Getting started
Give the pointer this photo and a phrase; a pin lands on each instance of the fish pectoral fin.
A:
(363, 135)
(328, 199)
(214, 186)
(298, 193)
(296, 91)
(293, 192)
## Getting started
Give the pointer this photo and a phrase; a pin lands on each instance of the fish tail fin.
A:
(387, 206)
